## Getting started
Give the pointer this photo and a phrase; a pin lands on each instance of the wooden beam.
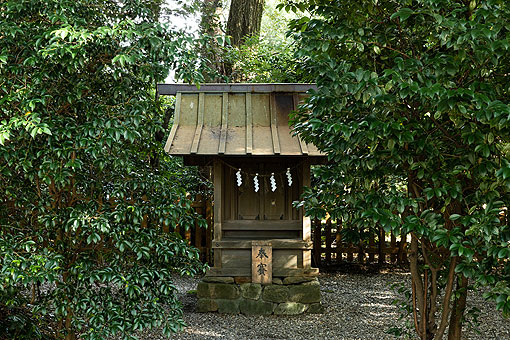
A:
(278, 272)
(224, 124)
(200, 122)
(172, 89)
(304, 147)
(276, 243)
(206, 159)
(352, 249)
(175, 124)
(274, 127)
(249, 123)
(261, 225)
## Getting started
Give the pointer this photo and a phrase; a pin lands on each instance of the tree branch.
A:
(416, 278)
(446, 300)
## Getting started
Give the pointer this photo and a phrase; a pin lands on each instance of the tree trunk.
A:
(70, 335)
(210, 21)
(244, 19)
(210, 25)
(67, 322)
(155, 6)
(459, 306)
(419, 316)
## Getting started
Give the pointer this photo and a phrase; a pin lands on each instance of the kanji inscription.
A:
(262, 262)
(261, 269)
(262, 253)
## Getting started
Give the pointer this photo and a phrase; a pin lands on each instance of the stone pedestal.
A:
(287, 296)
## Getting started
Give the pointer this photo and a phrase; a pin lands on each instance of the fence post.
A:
(371, 248)
(393, 247)
(338, 238)
(350, 254)
(329, 240)
(382, 244)
(317, 242)
(402, 252)
(361, 253)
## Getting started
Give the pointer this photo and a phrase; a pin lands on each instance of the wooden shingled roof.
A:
(236, 120)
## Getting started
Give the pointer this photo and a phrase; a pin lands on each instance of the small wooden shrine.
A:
(259, 169)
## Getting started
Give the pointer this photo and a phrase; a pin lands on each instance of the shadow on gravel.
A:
(363, 269)
(189, 302)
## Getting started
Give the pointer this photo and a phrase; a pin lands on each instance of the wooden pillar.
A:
(208, 232)
(307, 224)
(200, 209)
(218, 208)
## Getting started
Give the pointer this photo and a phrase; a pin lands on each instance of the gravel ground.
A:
(357, 306)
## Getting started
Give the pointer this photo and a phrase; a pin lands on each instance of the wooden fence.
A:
(328, 247)
(201, 238)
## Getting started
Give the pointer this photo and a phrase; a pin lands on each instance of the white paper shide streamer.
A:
(273, 182)
(289, 177)
(256, 180)
(239, 178)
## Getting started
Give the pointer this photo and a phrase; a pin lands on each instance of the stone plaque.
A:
(261, 262)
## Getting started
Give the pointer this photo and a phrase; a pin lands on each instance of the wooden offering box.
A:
(259, 169)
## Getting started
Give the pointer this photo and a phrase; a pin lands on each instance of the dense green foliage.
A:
(88, 196)
(413, 112)
(265, 61)
(268, 57)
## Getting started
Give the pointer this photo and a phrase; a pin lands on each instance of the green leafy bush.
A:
(413, 110)
(89, 199)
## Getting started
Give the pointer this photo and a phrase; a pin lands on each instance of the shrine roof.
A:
(236, 120)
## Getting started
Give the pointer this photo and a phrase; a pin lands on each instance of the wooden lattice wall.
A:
(201, 238)
(328, 247)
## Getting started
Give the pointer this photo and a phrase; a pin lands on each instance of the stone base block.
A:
(286, 296)
(290, 308)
